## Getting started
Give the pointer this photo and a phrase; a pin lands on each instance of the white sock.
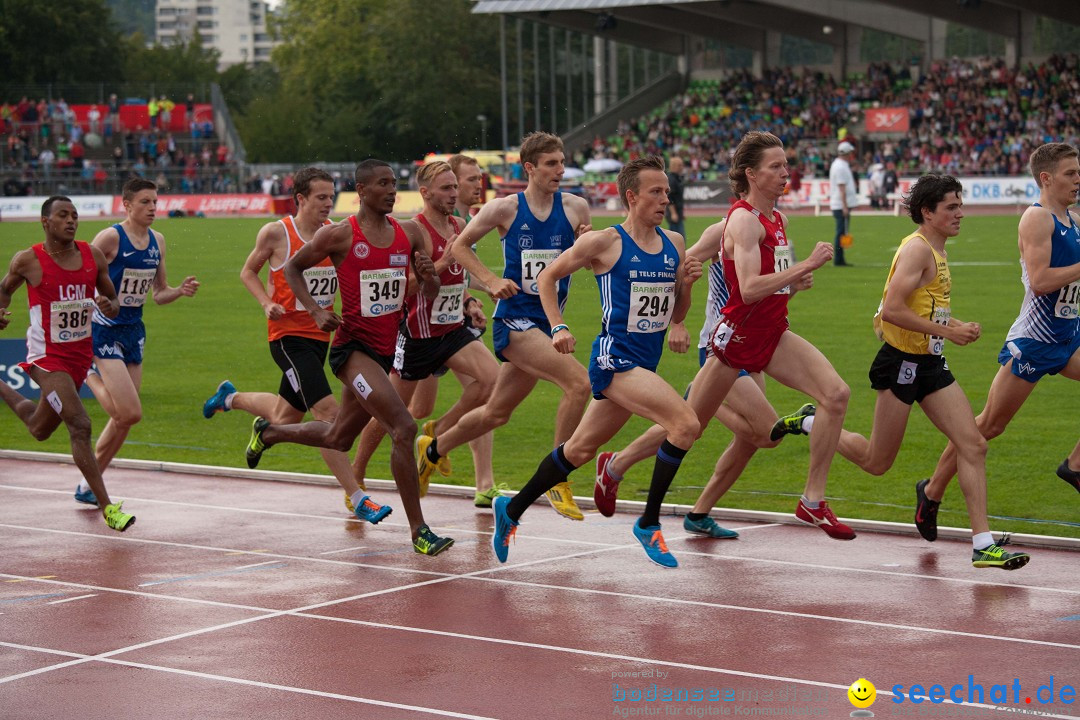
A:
(83, 487)
(816, 505)
(357, 498)
(982, 541)
(808, 424)
(228, 400)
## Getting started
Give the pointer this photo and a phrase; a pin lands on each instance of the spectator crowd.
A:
(966, 117)
(48, 147)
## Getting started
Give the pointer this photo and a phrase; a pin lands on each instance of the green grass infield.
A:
(193, 344)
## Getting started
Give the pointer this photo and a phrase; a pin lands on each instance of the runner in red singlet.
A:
(372, 254)
(435, 335)
(61, 275)
(753, 334)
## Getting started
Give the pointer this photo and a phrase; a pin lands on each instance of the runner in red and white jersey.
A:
(373, 281)
(435, 335)
(430, 318)
(753, 333)
(372, 254)
(61, 276)
(776, 255)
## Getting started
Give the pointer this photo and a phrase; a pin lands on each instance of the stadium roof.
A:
(666, 24)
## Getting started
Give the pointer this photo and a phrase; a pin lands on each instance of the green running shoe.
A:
(256, 446)
(485, 498)
(792, 424)
(116, 518)
(428, 543)
(995, 556)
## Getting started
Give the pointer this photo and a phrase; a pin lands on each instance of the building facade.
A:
(235, 28)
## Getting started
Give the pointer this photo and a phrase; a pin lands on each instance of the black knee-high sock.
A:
(668, 459)
(553, 469)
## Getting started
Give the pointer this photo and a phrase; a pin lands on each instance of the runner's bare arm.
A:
(16, 276)
(163, 293)
(590, 250)
(108, 242)
(709, 245)
(915, 268)
(689, 272)
(331, 241)
(1036, 229)
(498, 213)
(423, 268)
(106, 298)
(746, 234)
(269, 245)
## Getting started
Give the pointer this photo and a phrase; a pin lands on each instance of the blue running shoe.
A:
(372, 511)
(504, 528)
(216, 403)
(87, 497)
(655, 547)
(708, 526)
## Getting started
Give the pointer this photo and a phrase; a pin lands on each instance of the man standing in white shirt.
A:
(843, 195)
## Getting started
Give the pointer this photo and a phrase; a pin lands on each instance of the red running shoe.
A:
(606, 491)
(824, 518)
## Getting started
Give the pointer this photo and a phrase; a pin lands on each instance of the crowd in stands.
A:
(49, 147)
(967, 117)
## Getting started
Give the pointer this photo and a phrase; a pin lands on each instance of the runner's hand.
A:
(189, 286)
(109, 308)
(678, 339)
(503, 288)
(823, 253)
(273, 311)
(476, 314)
(564, 342)
(425, 268)
(692, 269)
(326, 320)
(804, 283)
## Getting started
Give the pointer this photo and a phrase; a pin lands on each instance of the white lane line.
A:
(256, 683)
(245, 567)
(484, 575)
(787, 563)
(348, 549)
(279, 613)
(528, 645)
(66, 600)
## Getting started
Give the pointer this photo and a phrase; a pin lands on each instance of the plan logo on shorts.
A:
(399, 260)
(1025, 368)
(361, 250)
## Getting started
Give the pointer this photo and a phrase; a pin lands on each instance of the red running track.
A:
(250, 599)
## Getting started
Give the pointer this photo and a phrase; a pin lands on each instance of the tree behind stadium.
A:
(391, 78)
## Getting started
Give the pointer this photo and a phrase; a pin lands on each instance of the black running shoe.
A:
(925, 512)
(1070, 476)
